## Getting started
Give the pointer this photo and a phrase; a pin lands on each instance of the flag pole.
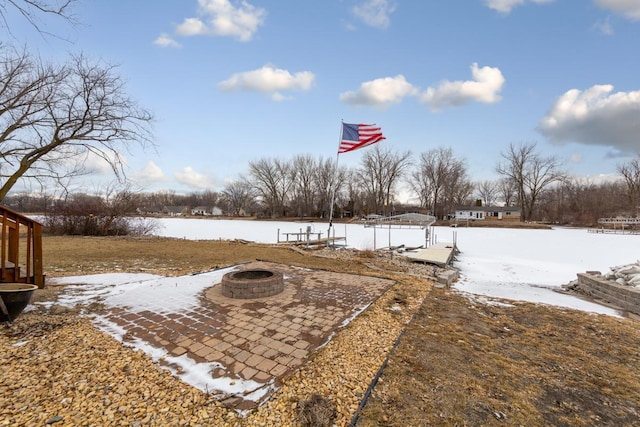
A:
(333, 182)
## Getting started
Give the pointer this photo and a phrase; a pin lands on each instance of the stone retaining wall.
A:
(625, 297)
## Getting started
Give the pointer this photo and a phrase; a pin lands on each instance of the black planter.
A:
(16, 296)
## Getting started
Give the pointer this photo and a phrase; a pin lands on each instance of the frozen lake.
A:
(517, 264)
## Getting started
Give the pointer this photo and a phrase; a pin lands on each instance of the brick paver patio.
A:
(262, 340)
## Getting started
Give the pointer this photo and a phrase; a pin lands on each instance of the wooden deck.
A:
(440, 254)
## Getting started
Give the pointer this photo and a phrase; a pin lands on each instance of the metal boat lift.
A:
(408, 220)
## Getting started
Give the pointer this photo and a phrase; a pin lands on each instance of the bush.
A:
(93, 225)
(88, 215)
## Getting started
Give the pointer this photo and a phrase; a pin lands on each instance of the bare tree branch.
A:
(57, 115)
(487, 191)
(440, 181)
(381, 169)
(35, 11)
(530, 173)
(630, 171)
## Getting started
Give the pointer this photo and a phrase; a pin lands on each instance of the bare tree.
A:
(326, 177)
(272, 179)
(630, 171)
(530, 172)
(506, 191)
(458, 190)
(239, 195)
(160, 199)
(351, 194)
(208, 198)
(487, 191)
(304, 188)
(380, 171)
(581, 202)
(440, 181)
(34, 10)
(52, 117)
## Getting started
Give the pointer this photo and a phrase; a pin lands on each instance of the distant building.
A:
(175, 210)
(201, 211)
(487, 213)
(206, 211)
(149, 210)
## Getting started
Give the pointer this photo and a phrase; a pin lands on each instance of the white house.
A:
(490, 213)
(207, 211)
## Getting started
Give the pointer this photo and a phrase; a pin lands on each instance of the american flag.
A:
(355, 136)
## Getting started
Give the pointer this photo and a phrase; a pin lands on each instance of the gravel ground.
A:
(58, 369)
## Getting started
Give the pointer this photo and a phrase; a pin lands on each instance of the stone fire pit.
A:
(247, 284)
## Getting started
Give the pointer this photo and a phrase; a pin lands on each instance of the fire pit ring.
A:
(256, 283)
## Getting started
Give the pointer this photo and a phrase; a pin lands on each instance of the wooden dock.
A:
(325, 241)
(300, 237)
(440, 254)
(614, 230)
(310, 238)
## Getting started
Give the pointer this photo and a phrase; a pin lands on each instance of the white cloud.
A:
(191, 27)
(375, 13)
(150, 174)
(269, 80)
(598, 179)
(604, 27)
(191, 178)
(165, 40)
(628, 8)
(596, 116)
(505, 6)
(380, 92)
(576, 158)
(485, 87)
(224, 18)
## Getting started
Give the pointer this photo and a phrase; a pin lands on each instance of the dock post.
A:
(374, 237)
(345, 235)
(426, 237)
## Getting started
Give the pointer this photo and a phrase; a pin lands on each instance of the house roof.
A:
(489, 208)
(175, 209)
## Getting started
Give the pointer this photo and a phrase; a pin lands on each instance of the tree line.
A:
(438, 180)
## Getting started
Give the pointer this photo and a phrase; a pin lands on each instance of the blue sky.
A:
(233, 81)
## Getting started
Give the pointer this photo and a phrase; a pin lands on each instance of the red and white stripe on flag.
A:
(355, 136)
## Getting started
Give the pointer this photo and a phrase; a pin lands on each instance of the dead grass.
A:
(73, 255)
(316, 411)
(459, 362)
(464, 363)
